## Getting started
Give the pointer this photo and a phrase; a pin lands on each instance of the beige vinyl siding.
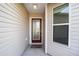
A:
(57, 49)
(14, 29)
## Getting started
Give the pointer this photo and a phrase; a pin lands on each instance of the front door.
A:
(36, 30)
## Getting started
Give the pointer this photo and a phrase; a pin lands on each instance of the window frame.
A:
(64, 24)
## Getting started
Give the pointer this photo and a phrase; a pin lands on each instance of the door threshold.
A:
(36, 46)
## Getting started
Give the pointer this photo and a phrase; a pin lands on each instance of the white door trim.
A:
(46, 28)
(63, 24)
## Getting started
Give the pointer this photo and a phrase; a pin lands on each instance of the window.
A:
(61, 24)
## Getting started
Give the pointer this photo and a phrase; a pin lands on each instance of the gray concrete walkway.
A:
(34, 52)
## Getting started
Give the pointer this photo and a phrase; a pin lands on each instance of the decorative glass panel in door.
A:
(36, 30)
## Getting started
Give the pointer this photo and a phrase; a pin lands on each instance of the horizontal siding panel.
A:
(58, 49)
(13, 29)
(11, 10)
(2, 13)
(8, 24)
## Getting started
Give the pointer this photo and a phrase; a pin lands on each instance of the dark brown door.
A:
(36, 30)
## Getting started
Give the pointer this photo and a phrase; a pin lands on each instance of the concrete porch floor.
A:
(34, 52)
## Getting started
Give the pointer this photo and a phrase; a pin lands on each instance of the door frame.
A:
(30, 30)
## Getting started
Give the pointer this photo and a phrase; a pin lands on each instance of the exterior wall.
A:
(36, 15)
(14, 28)
(60, 49)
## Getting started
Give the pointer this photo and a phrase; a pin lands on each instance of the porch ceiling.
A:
(40, 7)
